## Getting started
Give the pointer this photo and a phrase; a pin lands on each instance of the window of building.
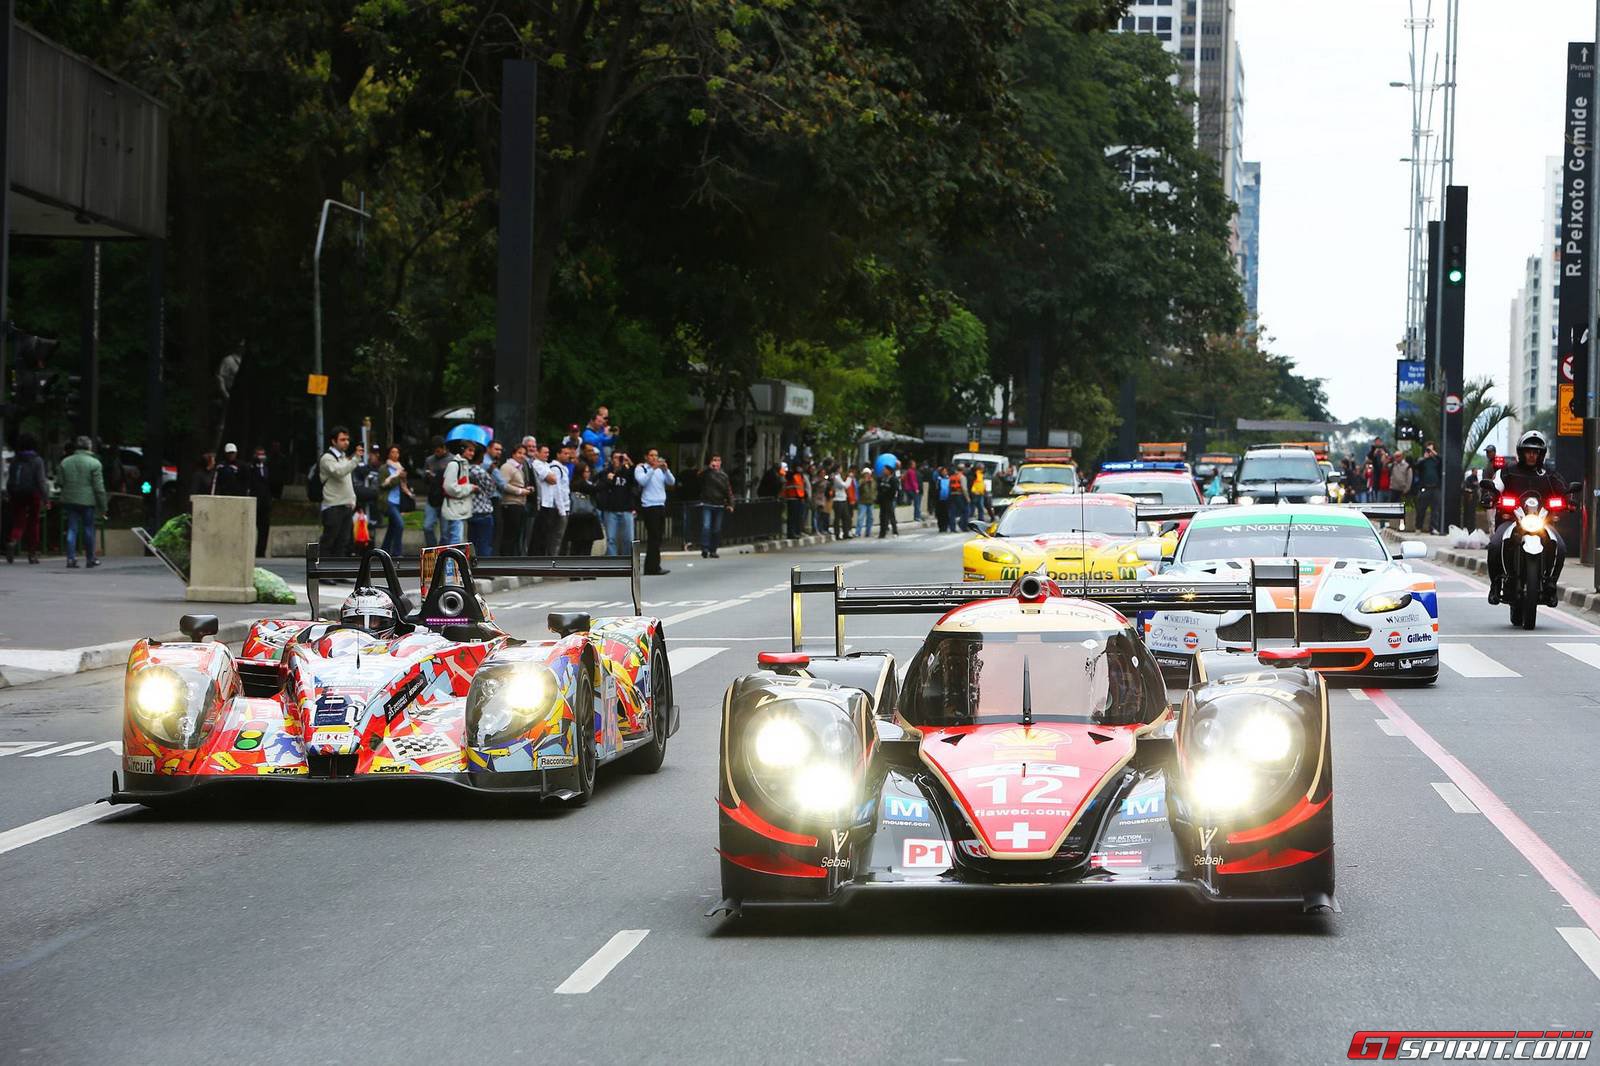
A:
(1146, 24)
(1164, 23)
(1128, 22)
(1188, 53)
(1164, 35)
(1208, 55)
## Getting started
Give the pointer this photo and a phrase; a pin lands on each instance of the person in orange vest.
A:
(794, 497)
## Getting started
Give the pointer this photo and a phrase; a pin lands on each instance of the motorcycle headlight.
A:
(1384, 602)
(158, 698)
(801, 755)
(1531, 523)
(1244, 750)
(1000, 555)
(506, 702)
(1244, 499)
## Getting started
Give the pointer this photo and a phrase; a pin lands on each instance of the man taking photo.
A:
(654, 478)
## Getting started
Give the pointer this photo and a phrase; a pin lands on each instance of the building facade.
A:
(1249, 256)
(1531, 372)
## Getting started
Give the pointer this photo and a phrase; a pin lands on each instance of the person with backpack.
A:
(26, 485)
(330, 484)
(433, 491)
(456, 482)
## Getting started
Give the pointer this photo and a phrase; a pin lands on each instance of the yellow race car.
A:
(1082, 536)
(1043, 470)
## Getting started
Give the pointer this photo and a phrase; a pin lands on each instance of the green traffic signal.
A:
(144, 487)
(1455, 275)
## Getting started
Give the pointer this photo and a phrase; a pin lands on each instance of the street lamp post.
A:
(316, 299)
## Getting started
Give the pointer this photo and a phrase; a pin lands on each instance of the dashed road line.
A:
(1588, 654)
(685, 659)
(1468, 661)
(1586, 944)
(23, 835)
(1455, 798)
(601, 963)
(1387, 727)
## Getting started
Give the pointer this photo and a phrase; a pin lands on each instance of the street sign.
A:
(1410, 376)
(1452, 404)
(1576, 284)
(316, 384)
(1568, 424)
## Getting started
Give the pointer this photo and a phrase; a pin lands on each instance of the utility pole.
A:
(1452, 337)
(316, 302)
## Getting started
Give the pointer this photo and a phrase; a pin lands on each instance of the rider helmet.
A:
(367, 608)
(1532, 441)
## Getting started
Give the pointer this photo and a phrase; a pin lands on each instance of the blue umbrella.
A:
(883, 460)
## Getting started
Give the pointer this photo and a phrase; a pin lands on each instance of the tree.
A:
(1480, 414)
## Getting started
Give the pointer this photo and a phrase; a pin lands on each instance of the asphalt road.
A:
(419, 927)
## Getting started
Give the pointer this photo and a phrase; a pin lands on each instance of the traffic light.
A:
(1455, 270)
(72, 395)
(145, 488)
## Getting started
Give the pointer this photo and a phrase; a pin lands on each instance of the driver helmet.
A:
(1532, 441)
(367, 608)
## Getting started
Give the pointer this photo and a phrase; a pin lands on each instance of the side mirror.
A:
(1168, 527)
(975, 526)
(1413, 549)
(1148, 552)
(197, 627)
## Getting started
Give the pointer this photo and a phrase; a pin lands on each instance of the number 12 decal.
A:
(1034, 790)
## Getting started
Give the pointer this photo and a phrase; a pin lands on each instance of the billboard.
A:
(1411, 377)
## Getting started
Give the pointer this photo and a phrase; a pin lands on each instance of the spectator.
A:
(716, 500)
(229, 478)
(573, 439)
(888, 497)
(1380, 477)
(600, 436)
(395, 494)
(654, 477)
(514, 508)
(530, 479)
(844, 488)
(583, 525)
(939, 485)
(959, 513)
(485, 498)
(204, 480)
(771, 483)
(614, 496)
(262, 481)
(822, 499)
(1400, 480)
(367, 480)
(83, 495)
(433, 498)
(1429, 476)
(980, 494)
(794, 498)
(335, 466)
(912, 484)
(866, 497)
(1469, 499)
(27, 483)
(555, 500)
(455, 484)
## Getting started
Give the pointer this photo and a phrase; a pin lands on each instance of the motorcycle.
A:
(1530, 552)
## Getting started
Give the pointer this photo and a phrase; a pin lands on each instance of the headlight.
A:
(505, 702)
(1244, 499)
(158, 698)
(1264, 738)
(1531, 523)
(1316, 499)
(1222, 784)
(1243, 750)
(801, 756)
(1384, 602)
(1000, 555)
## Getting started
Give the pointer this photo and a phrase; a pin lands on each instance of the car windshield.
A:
(1280, 468)
(1309, 537)
(1150, 490)
(971, 678)
(1067, 518)
(1047, 475)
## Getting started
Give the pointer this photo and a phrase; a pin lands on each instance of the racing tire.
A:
(1532, 587)
(648, 759)
(588, 754)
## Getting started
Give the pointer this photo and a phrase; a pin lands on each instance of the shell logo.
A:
(1394, 639)
(1191, 640)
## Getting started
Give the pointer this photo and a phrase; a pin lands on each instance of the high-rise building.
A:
(1158, 18)
(1249, 257)
(1531, 378)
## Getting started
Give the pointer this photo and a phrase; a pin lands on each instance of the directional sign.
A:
(316, 384)
(1452, 404)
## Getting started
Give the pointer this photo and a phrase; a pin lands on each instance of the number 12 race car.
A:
(1032, 744)
(440, 694)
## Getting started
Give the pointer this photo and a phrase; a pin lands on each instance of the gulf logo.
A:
(1394, 639)
(1191, 640)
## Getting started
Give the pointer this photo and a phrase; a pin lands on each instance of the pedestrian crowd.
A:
(1386, 476)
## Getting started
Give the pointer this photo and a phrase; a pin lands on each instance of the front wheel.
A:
(1532, 589)
(584, 718)
(648, 759)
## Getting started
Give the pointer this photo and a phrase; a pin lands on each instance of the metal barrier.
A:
(750, 520)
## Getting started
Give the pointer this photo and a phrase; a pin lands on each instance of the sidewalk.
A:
(1576, 587)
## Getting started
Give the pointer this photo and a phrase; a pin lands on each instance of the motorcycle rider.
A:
(369, 609)
(1528, 476)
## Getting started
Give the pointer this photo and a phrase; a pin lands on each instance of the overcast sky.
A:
(1329, 132)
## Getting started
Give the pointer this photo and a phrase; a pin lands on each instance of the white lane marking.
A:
(684, 616)
(1586, 944)
(1544, 612)
(57, 750)
(1588, 654)
(13, 747)
(685, 659)
(23, 835)
(1358, 694)
(1454, 797)
(602, 962)
(1468, 661)
(113, 746)
(1387, 727)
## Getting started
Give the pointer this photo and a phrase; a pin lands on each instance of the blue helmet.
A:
(469, 432)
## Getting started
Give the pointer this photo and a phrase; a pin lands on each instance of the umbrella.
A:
(883, 460)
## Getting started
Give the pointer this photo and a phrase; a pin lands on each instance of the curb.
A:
(1475, 563)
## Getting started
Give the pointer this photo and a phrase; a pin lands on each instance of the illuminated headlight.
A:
(1244, 751)
(1222, 784)
(1316, 499)
(824, 789)
(1244, 499)
(1000, 555)
(1531, 523)
(801, 755)
(507, 702)
(158, 699)
(1264, 738)
(782, 743)
(1384, 602)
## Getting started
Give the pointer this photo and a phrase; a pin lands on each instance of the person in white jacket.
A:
(458, 489)
(334, 467)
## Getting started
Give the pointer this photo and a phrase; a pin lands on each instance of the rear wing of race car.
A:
(1127, 596)
(350, 568)
(1375, 512)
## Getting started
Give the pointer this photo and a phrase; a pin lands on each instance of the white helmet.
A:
(367, 608)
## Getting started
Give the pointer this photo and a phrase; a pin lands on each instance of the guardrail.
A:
(749, 521)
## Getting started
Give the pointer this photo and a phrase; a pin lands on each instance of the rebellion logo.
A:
(1451, 1045)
